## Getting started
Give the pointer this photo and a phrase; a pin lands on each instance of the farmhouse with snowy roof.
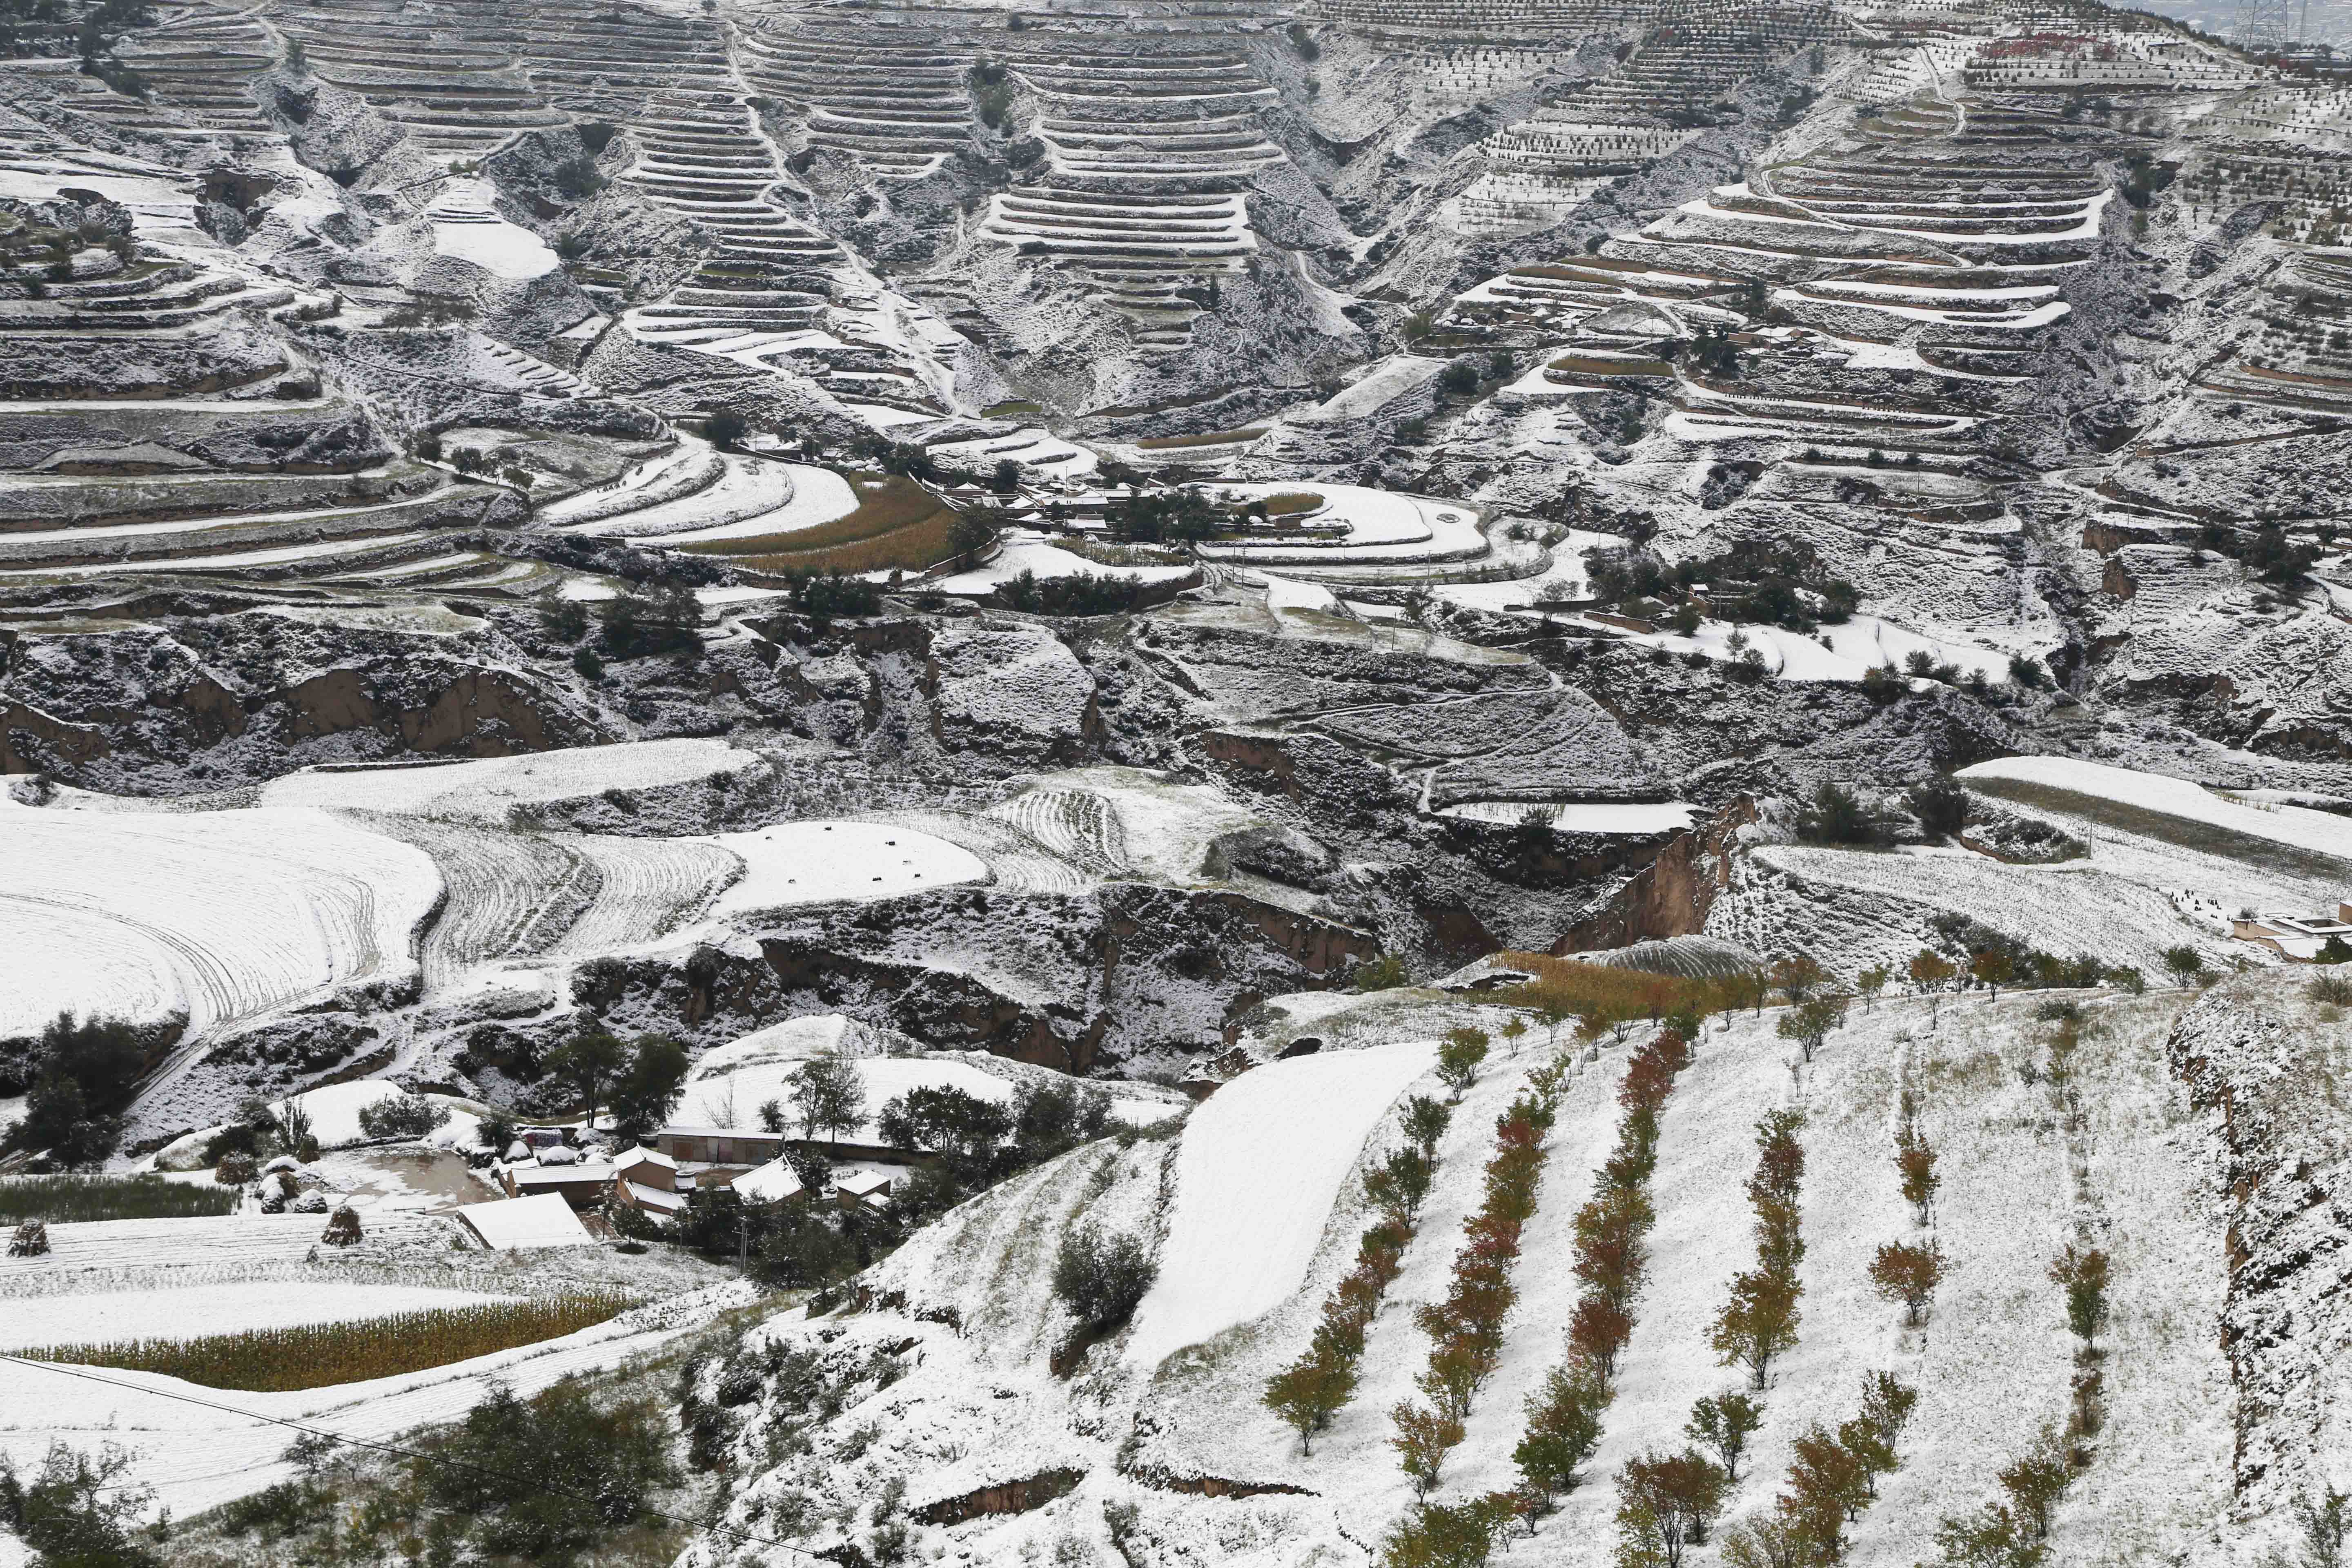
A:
(650, 1182)
(2301, 938)
(583, 1184)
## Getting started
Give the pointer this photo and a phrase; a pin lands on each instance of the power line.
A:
(65, 1370)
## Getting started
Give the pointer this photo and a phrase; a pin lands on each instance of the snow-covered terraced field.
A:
(2075, 907)
(488, 789)
(228, 1445)
(1080, 824)
(1147, 825)
(211, 916)
(645, 888)
(1370, 527)
(1018, 861)
(1260, 1165)
(1582, 817)
(193, 1311)
(229, 1241)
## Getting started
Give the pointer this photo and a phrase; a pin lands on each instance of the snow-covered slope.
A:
(2118, 1153)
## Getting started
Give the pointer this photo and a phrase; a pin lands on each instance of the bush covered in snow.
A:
(402, 1116)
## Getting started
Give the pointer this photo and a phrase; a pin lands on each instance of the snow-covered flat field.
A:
(210, 915)
(195, 1311)
(1582, 817)
(2297, 827)
(1034, 554)
(820, 862)
(1259, 1168)
(486, 790)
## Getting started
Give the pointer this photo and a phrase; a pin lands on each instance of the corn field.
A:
(61, 1200)
(317, 1355)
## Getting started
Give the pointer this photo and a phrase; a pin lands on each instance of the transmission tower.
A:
(2264, 27)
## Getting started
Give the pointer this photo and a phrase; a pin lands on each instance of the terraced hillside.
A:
(2112, 1156)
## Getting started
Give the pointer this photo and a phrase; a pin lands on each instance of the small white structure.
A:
(517, 1223)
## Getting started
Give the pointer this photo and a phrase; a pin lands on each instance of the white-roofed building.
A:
(519, 1224)
(773, 1183)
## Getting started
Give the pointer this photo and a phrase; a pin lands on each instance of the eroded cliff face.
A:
(1672, 895)
(197, 703)
(2261, 1059)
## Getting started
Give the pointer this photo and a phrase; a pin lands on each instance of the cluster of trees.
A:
(76, 1081)
(77, 1510)
(2013, 1532)
(1101, 1276)
(1832, 1478)
(660, 618)
(1167, 517)
(974, 1145)
(1756, 582)
(1760, 1322)
(1079, 593)
(639, 1080)
(402, 1116)
(548, 1480)
(2268, 553)
(1317, 1386)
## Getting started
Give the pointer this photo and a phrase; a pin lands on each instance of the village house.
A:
(649, 1181)
(2298, 938)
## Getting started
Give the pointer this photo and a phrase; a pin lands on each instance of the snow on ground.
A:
(732, 1096)
(821, 862)
(215, 916)
(1380, 386)
(1146, 822)
(467, 225)
(487, 789)
(335, 1113)
(195, 1311)
(730, 1083)
(227, 1241)
(1586, 816)
(1564, 578)
(1258, 1171)
(199, 1454)
(2290, 824)
(818, 496)
(1835, 653)
(1368, 525)
(1028, 551)
(1860, 906)
(1289, 594)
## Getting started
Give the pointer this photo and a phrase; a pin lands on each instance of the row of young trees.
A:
(1317, 1386)
(1466, 1329)
(1760, 1322)
(1832, 1477)
(2014, 1529)
(1613, 1230)
(1564, 1416)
